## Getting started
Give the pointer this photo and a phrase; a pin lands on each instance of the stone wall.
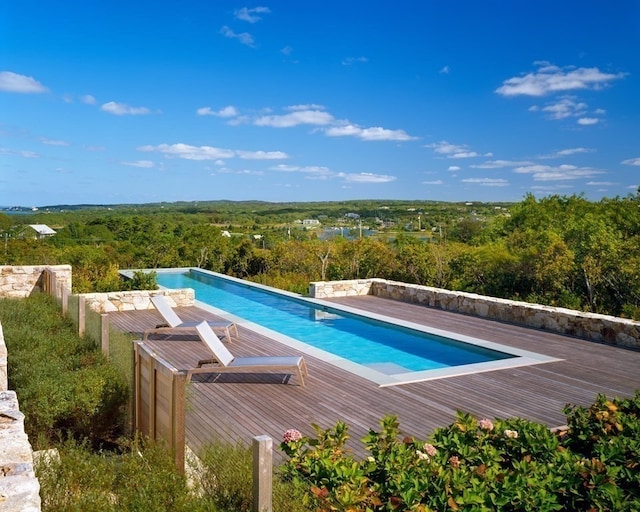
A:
(19, 487)
(23, 280)
(590, 326)
(136, 300)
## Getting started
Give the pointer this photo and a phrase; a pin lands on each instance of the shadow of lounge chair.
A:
(224, 361)
(174, 322)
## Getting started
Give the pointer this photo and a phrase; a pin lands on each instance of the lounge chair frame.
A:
(224, 361)
(174, 323)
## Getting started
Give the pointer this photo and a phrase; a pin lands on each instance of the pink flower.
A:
(429, 449)
(485, 424)
(291, 435)
(454, 461)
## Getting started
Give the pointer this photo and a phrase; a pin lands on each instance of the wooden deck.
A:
(237, 407)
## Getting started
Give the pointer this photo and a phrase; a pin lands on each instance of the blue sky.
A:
(134, 102)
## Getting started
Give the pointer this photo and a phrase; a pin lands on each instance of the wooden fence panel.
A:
(159, 401)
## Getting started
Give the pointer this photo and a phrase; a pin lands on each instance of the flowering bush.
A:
(511, 464)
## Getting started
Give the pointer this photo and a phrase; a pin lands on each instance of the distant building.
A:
(352, 215)
(38, 231)
(310, 222)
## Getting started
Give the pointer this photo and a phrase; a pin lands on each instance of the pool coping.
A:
(521, 357)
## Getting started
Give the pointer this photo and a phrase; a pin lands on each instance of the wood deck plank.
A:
(235, 407)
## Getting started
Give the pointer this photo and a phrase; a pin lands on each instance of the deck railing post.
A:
(262, 474)
(104, 333)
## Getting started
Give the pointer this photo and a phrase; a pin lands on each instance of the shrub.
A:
(66, 386)
(472, 464)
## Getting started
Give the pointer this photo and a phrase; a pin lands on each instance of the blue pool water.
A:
(381, 346)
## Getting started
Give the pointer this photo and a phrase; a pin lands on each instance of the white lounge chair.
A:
(174, 322)
(224, 361)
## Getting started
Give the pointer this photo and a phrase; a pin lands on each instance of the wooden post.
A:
(262, 474)
(82, 316)
(104, 333)
(179, 410)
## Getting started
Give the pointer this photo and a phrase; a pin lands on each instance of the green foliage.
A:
(142, 281)
(143, 478)
(484, 465)
(66, 386)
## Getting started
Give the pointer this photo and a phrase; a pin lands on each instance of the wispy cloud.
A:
(487, 182)
(297, 117)
(53, 142)
(228, 111)
(376, 133)
(19, 152)
(632, 161)
(436, 182)
(250, 15)
(557, 173)
(453, 168)
(501, 164)
(324, 173)
(565, 152)
(122, 109)
(88, 99)
(453, 150)
(13, 82)
(445, 70)
(245, 38)
(549, 79)
(201, 153)
(349, 61)
(588, 121)
(567, 106)
(145, 164)
(602, 183)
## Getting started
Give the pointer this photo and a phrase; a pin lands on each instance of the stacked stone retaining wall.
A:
(19, 487)
(136, 300)
(590, 326)
(23, 280)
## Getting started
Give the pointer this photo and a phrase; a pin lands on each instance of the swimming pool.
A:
(386, 352)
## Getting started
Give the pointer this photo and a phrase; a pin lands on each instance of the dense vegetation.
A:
(485, 465)
(563, 251)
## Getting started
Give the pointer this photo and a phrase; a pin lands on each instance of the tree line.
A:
(559, 250)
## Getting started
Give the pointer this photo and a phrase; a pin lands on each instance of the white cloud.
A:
(13, 82)
(189, 152)
(19, 152)
(445, 70)
(249, 15)
(309, 169)
(558, 173)
(567, 106)
(310, 106)
(588, 121)
(452, 150)
(436, 182)
(121, 109)
(632, 161)
(145, 164)
(376, 133)
(88, 99)
(298, 117)
(454, 168)
(287, 50)
(602, 183)
(354, 60)
(262, 155)
(551, 79)
(245, 38)
(500, 164)
(228, 111)
(487, 182)
(366, 177)
(53, 142)
(566, 152)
